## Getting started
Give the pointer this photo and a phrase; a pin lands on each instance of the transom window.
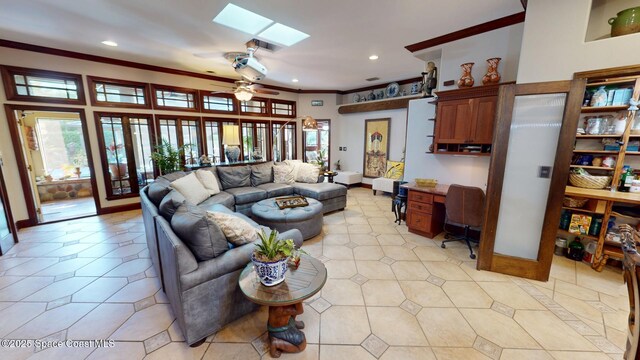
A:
(283, 108)
(175, 98)
(110, 92)
(218, 103)
(42, 86)
(254, 106)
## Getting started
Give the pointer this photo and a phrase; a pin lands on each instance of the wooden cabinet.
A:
(425, 213)
(465, 119)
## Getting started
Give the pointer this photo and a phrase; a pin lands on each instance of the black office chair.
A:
(464, 208)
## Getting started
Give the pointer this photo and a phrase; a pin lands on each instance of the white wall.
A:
(553, 45)
(447, 169)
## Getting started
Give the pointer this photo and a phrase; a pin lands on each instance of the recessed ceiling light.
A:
(373, 57)
(241, 19)
(294, 80)
(283, 35)
(110, 43)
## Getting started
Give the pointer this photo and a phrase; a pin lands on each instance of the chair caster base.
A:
(443, 245)
(473, 256)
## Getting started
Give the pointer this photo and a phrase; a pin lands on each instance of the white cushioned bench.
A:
(348, 177)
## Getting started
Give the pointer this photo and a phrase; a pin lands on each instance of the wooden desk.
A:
(425, 209)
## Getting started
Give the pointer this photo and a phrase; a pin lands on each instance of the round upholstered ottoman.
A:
(307, 219)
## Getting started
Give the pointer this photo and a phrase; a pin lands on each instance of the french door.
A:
(532, 143)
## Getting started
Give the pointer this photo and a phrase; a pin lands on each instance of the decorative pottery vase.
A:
(118, 170)
(492, 76)
(626, 22)
(270, 273)
(466, 80)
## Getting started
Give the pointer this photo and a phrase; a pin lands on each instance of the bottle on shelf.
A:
(626, 179)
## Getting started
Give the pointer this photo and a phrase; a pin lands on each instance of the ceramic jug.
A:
(626, 22)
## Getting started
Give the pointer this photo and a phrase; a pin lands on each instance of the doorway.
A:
(7, 227)
(317, 144)
(54, 161)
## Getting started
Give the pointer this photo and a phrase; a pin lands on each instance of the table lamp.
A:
(231, 139)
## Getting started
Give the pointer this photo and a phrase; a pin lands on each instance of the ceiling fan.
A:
(244, 90)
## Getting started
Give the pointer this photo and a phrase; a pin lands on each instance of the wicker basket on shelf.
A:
(426, 182)
(574, 202)
(589, 181)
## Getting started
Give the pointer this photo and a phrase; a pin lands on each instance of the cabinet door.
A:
(420, 221)
(484, 112)
(453, 121)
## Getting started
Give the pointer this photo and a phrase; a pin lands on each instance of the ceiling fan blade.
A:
(222, 92)
(265, 91)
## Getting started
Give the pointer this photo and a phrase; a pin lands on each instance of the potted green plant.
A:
(270, 257)
(167, 158)
(321, 159)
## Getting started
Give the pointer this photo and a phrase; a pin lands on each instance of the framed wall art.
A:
(376, 147)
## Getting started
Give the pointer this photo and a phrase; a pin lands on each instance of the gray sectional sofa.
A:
(204, 294)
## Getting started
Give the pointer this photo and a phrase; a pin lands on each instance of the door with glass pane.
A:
(7, 228)
(532, 142)
(317, 144)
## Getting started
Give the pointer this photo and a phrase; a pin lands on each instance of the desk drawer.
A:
(420, 197)
(416, 206)
(419, 221)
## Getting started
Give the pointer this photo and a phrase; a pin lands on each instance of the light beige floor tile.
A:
(136, 290)
(469, 267)
(100, 322)
(617, 337)
(446, 270)
(409, 270)
(99, 290)
(551, 332)
(52, 321)
(521, 354)
(446, 327)
(344, 325)
(8, 280)
(425, 294)
(127, 250)
(337, 252)
(6, 264)
(145, 323)
(312, 352)
(408, 353)
(60, 289)
(335, 229)
(357, 220)
(399, 253)
(19, 314)
(340, 269)
(597, 324)
(429, 253)
(382, 229)
(405, 330)
(99, 267)
(511, 295)
(375, 270)
(364, 239)
(333, 219)
(15, 353)
(563, 269)
(31, 267)
(499, 329)
(245, 329)
(382, 293)
(69, 249)
(379, 221)
(23, 288)
(617, 320)
(366, 253)
(572, 355)
(231, 351)
(38, 250)
(64, 267)
(359, 229)
(467, 294)
(608, 281)
(64, 352)
(342, 292)
(616, 302)
(130, 268)
(578, 307)
(311, 319)
(125, 350)
(390, 240)
(454, 353)
(334, 352)
(334, 239)
(98, 250)
(575, 291)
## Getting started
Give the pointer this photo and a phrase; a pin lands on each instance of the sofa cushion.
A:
(201, 234)
(170, 204)
(274, 190)
(283, 174)
(308, 173)
(173, 176)
(295, 164)
(262, 174)
(221, 198)
(158, 190)
(237, 230)
(191, 188)
(234, 176)
(209, 181)
(250, 194)
(320, 191)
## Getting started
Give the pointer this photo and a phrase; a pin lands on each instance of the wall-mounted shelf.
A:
(378, 105)
(595, 109)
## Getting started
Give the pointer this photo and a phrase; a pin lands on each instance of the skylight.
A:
(241, 19)
(283, 35)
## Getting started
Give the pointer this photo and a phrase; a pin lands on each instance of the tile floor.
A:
(390, 295)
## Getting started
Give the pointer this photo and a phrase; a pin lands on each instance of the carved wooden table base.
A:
(284, 330)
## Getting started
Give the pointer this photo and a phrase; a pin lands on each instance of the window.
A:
(255, 140)
(316, 143)
(42, 86)
(212, 141)
(180, 131)
(175, 98)
(217, 103)
(284, 140)
(126, 158)
(283, 108)
(255, 106)
(111, 92)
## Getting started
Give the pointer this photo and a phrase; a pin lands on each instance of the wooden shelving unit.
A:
(601, 201)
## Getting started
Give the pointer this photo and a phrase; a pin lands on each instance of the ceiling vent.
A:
(261, 44)
(373, 79)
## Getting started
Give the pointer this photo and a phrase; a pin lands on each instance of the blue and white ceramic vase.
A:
(270, 273)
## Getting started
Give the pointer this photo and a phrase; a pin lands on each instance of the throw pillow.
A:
(295, 164)
(170, 204)
(234, 176)
(158, 190)
(209, 181)
(283, 174)
(395, 170)
(191, 188)
(201, 235)
(237, 230)
(262, 174)
(308, 173)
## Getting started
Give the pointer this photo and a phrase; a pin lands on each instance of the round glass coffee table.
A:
(285, 301)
